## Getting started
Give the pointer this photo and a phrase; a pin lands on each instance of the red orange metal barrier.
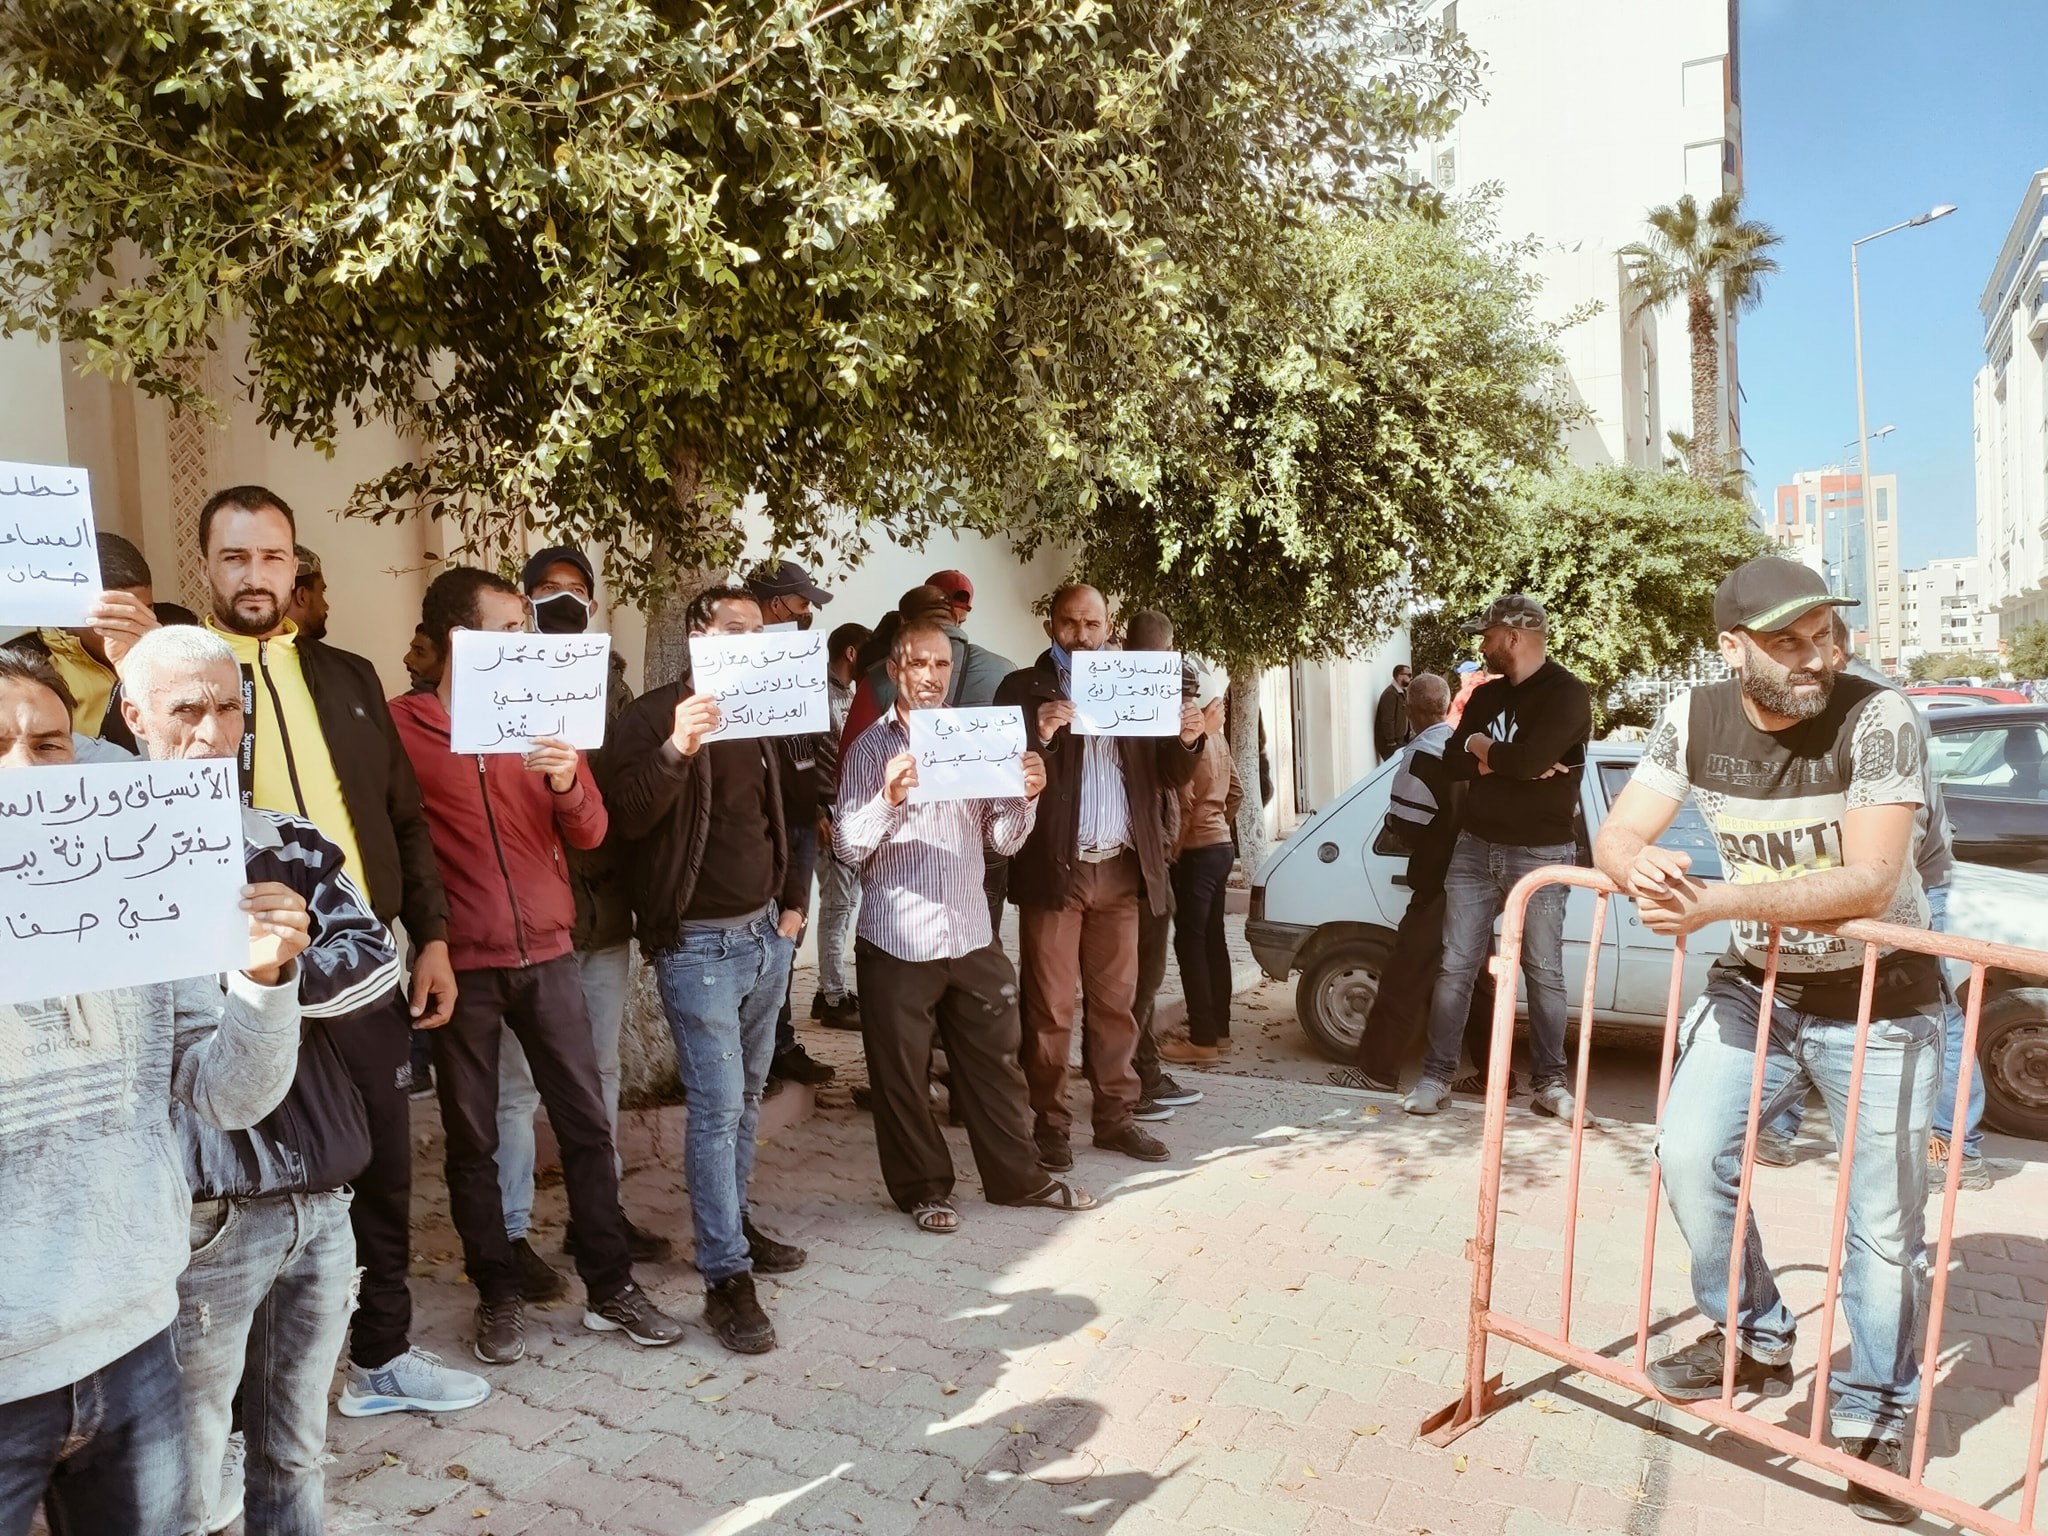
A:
(1481, 1395)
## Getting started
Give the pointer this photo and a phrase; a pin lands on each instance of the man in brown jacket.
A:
(1098, 849)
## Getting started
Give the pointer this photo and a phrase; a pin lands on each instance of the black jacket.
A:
(660, 806)
(1042, 872)
(1543, 721)
(318, 1137)
(1390, 723)
(377, 785)
(604, 907)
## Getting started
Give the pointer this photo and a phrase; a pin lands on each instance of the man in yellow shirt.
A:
(86, 658)
(319, 743)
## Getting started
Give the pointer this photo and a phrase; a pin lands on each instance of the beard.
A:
(233, 617)
(1776, 689)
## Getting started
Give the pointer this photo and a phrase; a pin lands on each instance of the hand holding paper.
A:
(121, 618)
(697, 717)
(280, 928)
(556, 759)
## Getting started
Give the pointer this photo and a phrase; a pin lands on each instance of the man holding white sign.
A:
(92, 1194)
(717, 906)
(1099, 849)
(928, 962)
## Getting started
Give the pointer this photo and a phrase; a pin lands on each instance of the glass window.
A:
(2003, 762)
(1688, 832)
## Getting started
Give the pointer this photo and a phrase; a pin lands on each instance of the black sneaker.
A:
(1354, 1077)
(1775, 1151)
(797, 1065)
(844, 1014)
(817, 1005)
(633, 1313)
(1167, 1091)
(1890, 1456)
(422, 1084)
(539, 1281)
(1055, 1153)
(769, 1256)
(500, 1331)
(733, 1313)
(1693, 1374)
(1133, 1142)
(1151, 1109)
(642, 1246)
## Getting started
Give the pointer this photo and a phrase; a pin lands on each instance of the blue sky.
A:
(1955, 112)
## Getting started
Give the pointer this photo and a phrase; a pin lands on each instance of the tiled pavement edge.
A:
(1241, 1340)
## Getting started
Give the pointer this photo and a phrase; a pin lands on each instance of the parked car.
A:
(1990, 764)
(1928, 694)
(1325, 904)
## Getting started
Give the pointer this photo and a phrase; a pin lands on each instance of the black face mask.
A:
(561, 613)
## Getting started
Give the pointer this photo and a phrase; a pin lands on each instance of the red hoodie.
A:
(498, 832)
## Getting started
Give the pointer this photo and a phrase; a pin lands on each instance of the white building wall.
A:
(2010, 404)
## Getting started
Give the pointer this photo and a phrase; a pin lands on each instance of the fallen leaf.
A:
(479, 1514)
(715, 1397)
(1308, 1471)
(1057, 1360)
(948, 1388)
(1368, 1429)
(831, 1386)
(1019, 1429)
(1371, 1184)
(1458, 1464)
(1372, 1109)
(1198, 1248)
(1404, 1360)
(458, 1471)
(698, 1380)
(1096, 1333)
(1190, 1427)
(390, 1460)
(1550, 1405)
(869, 1365)
(1262, 1175)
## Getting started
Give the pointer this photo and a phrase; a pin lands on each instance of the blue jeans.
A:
(720, 988)
(104, 1454)
(1955, 977)
(1884, 1267)
(1476, 886)
(264, 1306)
(803, 860)
(607, 976)
(838, 902)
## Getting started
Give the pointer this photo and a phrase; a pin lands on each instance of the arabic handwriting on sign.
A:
(22, 926)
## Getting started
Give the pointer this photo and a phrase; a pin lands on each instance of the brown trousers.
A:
(1091, 942)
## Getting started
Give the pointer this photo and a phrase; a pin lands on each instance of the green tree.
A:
(1624, 560)
(618, 266)
(1719, 258)
(1938, 666)
(2028, 656)
(1359, 423)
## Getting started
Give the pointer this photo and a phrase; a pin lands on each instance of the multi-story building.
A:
(1818, 518)
(1942, 608)
(2011, 410)
(1579, 168)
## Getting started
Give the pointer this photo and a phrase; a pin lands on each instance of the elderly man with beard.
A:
(928, 962)
(1811, 782)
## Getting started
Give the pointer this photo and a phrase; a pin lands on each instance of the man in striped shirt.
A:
(926, 958)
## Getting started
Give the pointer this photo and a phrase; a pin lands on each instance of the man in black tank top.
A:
(1811, 783)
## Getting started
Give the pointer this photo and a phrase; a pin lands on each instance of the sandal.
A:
(935, 1216)
(1058, 1196)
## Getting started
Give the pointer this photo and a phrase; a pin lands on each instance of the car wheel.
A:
(2012, 1050)
(1336, 993)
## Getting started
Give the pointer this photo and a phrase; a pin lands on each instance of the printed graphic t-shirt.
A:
(1775, 802)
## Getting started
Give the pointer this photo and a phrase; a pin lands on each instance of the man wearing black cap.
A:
(1811, 781)
(789, 599)
(1522, 745)
(561, 583)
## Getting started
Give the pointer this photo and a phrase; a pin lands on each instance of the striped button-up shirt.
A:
(920, 862)
(1105, 804)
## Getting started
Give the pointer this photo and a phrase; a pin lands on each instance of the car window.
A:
(1688, 832)
(2002, 762)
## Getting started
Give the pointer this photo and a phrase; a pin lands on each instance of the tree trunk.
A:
(1707, 467)
(647, 1051)
(1244, 752)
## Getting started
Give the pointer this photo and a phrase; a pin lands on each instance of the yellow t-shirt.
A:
(91, 684)
(294, 768)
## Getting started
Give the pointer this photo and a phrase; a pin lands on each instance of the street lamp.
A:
(1939, 211)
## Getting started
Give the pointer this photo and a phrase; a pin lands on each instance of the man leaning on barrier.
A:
(1811, 782)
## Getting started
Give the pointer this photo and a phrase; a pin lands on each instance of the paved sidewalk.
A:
(1242, 1340)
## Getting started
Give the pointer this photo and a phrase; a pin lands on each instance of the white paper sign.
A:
(510, 688)
(968, 754)
(1126, 693)
(117, 874)
(766, 684)
(49, 554)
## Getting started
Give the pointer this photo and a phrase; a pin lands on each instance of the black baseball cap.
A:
(557, 554)
(1769, 592)
(787, 579)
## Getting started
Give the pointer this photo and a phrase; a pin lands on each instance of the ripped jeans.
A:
(721, 987)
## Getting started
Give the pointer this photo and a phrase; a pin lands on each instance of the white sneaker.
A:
(227, 1504)
(416, 1381)
(1427, 1097)
(1553, 1099)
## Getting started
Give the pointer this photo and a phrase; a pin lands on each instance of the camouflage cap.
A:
(309, 563)
(1513, 611)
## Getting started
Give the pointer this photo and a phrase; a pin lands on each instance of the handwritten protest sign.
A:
(766, 685)
(1126, 693)
(510, 688)
(49, 555)
(116, 874)
(968, 754)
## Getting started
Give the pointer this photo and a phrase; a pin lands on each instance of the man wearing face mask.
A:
(789, 598)
(560, 582)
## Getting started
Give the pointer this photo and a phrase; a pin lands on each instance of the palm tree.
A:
(1721, 255)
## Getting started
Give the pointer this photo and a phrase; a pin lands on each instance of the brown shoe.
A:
(1185, 1053)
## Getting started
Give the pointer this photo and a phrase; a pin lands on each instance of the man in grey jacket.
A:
(93, 1193)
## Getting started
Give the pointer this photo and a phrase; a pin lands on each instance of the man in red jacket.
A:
(498, 826)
